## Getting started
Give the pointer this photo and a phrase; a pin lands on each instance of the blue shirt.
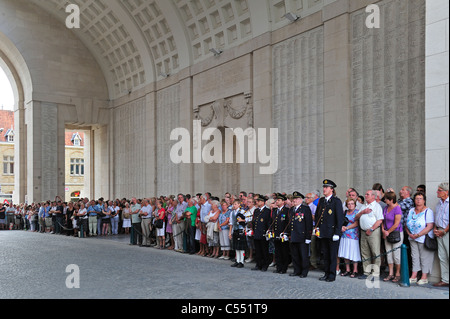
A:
(204, 210)
(91, 211)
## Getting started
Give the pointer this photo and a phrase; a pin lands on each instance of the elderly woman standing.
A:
(420, 222)
(349, 244)
(212, 226)
(392, 232)
(224, 229)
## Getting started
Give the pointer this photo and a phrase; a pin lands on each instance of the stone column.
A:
(437, 97)
(45, 152)
(436, 104)
(20, 151)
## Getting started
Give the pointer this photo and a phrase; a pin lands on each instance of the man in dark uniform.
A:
(280, 226)
(329, 219)
(300, 231)
(260, 224)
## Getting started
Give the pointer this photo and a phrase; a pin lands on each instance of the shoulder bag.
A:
(430, 243)
(394, 236)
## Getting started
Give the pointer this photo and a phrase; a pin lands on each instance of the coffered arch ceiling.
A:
(138, 42)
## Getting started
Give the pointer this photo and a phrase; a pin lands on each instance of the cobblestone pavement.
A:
(33, 266)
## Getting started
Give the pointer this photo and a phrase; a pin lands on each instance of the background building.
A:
(74, 159)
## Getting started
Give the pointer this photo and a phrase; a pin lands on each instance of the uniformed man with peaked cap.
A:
(261, 222)
(329, 218)
(300, 231)
(280, 226)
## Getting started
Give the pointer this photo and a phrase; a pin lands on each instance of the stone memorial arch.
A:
(351, 103)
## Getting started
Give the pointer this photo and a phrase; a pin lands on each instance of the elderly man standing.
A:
(405, 203)
(136, 221)
(146, 217)
(441, 233)
(178, 224)
(370, 218)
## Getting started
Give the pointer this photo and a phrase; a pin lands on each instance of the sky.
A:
(6, 93)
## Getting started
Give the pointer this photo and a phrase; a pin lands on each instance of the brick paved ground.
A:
(34, 266)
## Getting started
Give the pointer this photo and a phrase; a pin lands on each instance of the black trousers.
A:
(300, 258)
(330, 251)
(190, 239)
(262, 253)
(137, 235)
(282, 257)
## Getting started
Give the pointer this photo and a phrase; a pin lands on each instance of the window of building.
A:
(76, 139)
(8, 165)
(9, 136)
(77, 167)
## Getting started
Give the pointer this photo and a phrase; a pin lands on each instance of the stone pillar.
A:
(101, 162)
(45, 152)
(437, 97)
(88, 166)
(436, 104)
(20, 158)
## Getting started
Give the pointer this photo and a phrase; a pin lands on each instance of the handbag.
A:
(430, 243)
(394, 237)
(159, 223)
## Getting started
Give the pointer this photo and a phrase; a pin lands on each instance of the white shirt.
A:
(147, 209)
(442, 213)
(81, 212)
(368, 220)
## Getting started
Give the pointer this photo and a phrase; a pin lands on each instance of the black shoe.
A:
(264, 269)
(330, 279)
(325, 277)
(293, 275)
(276, 271)
(303, 276)
(235, 264)
(256, 268)
(240, 265)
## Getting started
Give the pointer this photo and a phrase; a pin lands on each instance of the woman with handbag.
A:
(392, 231)
(160, 224)
(419, 224)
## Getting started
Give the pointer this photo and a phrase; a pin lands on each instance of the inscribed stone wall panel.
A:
(130, 131)
(298, 111)
(388, 96)
(168, 119)
(49, 164)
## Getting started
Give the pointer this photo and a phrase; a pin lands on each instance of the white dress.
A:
(127, 221)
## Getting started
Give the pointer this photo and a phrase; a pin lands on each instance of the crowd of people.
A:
(347, 238)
